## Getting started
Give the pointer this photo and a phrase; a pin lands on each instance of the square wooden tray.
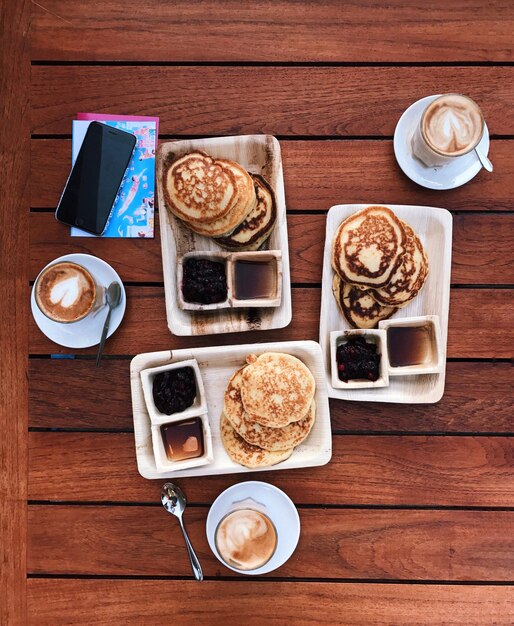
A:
(434, 228)
(259, 154)
(217, 364)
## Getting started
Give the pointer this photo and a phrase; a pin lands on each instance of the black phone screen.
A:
(96, 178)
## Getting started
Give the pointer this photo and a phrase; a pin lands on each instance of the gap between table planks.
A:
(330, 32)
(365, 470)
(473, 333)
(349, 544)
(482, 249)
(321, 173)
(289, 101)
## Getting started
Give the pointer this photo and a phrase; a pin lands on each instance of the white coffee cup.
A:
(267, 500)
(451, 126)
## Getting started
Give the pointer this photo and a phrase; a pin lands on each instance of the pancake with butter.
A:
(197, 188)
(409, 277)
(273, 439)
(246, 454)
(368, 247)
(258, 224)
(276, 389)
(358, 306)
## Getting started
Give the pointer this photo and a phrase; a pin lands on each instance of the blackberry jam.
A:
(174, 390)
(357, 359)
(204, 281)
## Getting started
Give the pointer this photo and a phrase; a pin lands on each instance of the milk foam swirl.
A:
(452, 124)
(246, 539)
(65, 292)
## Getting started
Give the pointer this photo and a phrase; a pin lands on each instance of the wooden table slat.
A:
(369, 470)
(350, 544)
(321, 173)
(344, 101)
(279, 31)
(478, 399)
(254, 603)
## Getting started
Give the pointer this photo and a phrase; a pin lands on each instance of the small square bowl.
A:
(163, 464)
(434, 362)
(377, 337)
(261, 256)
(221, 257)
(198, 407)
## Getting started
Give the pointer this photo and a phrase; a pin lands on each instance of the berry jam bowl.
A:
(358, 359)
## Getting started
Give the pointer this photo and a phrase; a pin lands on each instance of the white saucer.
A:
(269, 500)
(86, 332)
(449, 176)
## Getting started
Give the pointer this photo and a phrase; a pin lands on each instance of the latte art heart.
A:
(452, 124)
(65, 292)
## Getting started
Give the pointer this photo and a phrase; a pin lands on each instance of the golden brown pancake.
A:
(276, 389)
(409, 277)
(273, 439)
(245, 201)
(258, 225)
(358, 306)
(196, 187)
(368, 247)
(244, 453)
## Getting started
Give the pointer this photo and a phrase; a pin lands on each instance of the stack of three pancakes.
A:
(218, 198)
(380, 266)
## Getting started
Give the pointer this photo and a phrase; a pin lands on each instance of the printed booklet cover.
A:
(133, 212)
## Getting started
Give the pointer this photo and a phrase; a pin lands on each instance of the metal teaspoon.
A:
(174, 502)
(486, 163)
(113, 297)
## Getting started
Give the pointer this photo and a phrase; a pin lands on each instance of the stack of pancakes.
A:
(219, 198)
(268, 409)
(380, 266)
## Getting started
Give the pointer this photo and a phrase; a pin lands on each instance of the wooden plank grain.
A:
(254, 603)
(364, 470)
(478, 399)
(349, 544)
(321, 173)
(482, 249)
(14, 212)
(477, 317)
(343, 101)
(279, 31)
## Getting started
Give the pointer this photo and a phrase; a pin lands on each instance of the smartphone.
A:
(95, 179)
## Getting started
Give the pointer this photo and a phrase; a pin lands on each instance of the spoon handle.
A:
(104, 337)
(195, 563)
(486, 163)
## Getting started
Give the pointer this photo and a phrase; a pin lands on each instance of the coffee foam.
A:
(452, 124)
(65, 292)
(246, 539)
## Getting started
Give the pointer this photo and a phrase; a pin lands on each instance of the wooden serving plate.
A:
(217, 364)
(259, 154)
(434, 228)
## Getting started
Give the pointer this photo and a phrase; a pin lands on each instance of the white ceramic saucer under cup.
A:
(454, 174)
(86, 332)
(267, 499)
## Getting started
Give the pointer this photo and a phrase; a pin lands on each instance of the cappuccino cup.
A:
(246, 539)
(451, 126)
(66, 292)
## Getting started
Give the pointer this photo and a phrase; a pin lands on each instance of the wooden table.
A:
(412, 521)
